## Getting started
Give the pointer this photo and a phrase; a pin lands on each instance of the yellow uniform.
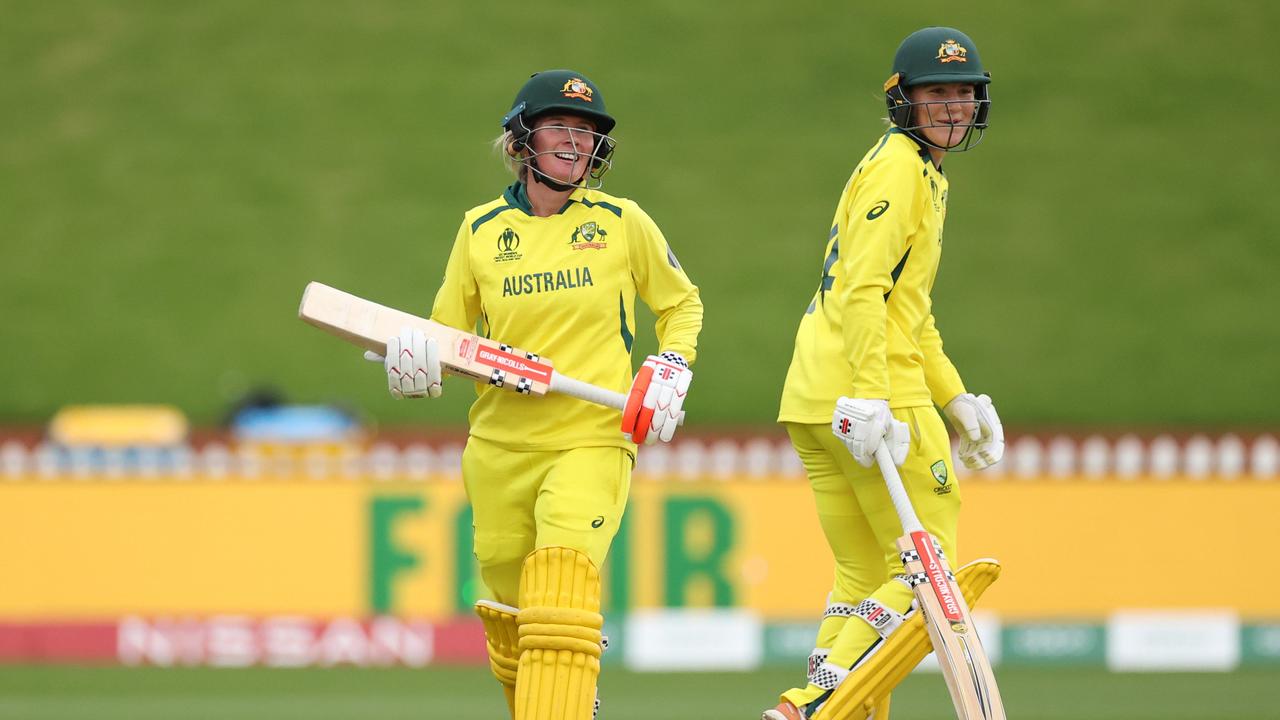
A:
(564, 286)
(548, 477)
(869, 333)
(555, 470)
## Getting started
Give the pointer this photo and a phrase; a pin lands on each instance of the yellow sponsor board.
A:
(1071, 548)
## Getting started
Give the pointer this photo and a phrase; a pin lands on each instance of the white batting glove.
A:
(981, 434)
(412, 363)
(862, 424)
(655, 401)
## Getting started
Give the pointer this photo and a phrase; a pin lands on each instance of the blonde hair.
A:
(502, 145)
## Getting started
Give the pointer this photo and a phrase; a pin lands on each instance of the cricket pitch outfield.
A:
(451, 693)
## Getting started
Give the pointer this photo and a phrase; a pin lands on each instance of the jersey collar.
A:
(921, 149)
(517, 196)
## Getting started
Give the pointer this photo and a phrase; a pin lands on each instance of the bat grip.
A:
(897, 493)
(586, 391)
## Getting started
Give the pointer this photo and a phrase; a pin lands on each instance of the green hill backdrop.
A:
(172, 174)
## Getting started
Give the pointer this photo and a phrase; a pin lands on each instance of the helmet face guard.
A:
(938, 55)
(561, 92)
(902, 111)
(599, 159)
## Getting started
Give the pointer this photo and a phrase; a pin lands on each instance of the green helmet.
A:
(560, 91)
(937, 55)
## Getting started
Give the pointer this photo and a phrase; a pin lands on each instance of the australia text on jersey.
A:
(539, 282)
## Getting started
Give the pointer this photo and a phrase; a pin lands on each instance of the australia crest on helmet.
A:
(952, 51)
(577, 88)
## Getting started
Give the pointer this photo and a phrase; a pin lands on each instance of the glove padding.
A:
(412, 363)
(655, 401)
(862, 424)
(981, 434)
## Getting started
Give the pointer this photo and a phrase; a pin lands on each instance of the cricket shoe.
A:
(784, 711)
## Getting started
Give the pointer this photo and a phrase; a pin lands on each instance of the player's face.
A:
(562, 146)
(944, 112)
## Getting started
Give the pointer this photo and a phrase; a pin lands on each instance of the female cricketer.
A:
(554, 265)
(868, 366)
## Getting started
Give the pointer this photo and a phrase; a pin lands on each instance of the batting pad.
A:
(502, 640)
(559, 628)
(868, 686)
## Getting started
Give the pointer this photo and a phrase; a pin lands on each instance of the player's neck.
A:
(936, 155)
(545, 201)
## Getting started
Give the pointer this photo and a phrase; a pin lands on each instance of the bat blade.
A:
(959, 651)
(368, 325)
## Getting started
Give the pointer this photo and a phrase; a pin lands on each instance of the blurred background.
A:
(190, 478)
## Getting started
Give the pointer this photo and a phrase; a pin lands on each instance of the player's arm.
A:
(663, 285)
(655, 402)
(872, 235)
(940, 375)
(881, 215)
(974, 417)
(457, 301)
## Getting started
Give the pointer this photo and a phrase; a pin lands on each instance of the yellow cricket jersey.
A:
(869, 332)
(564, 287)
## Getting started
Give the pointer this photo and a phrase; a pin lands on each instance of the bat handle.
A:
(897, 493)
(586, 391)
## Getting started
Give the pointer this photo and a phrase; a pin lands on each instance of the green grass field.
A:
(171, 174)
(470, 694)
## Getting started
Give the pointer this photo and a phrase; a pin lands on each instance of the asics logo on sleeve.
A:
(878, 210)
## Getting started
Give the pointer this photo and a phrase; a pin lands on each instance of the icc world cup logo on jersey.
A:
(508, 241)
(508, 246)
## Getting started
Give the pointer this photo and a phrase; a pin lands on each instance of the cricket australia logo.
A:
(508, 246)
(952, 51)
(939, 470)
(584, 237)
(576, 88)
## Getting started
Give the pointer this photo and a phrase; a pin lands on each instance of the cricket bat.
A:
(367, 324)
(955, 641)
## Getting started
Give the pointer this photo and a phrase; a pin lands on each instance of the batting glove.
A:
(862, 424)
(981, 434)
(655, 401)
(412, 363)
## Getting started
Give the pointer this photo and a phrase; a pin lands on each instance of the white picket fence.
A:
(1226, 457)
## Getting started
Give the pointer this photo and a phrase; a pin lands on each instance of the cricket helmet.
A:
(560, 91)
(937, 55)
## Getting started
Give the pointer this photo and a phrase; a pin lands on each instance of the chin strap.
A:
(538, 176)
